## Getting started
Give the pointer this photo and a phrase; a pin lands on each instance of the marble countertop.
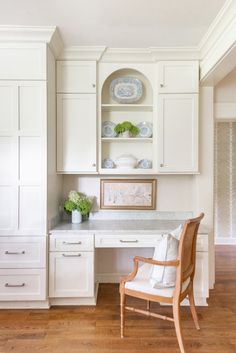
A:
(120, 226)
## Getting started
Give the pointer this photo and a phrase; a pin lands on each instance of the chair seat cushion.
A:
(141, 283)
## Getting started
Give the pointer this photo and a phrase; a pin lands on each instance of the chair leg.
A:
(122, 314)
(148, 304)
(176, 314)
(192, 307)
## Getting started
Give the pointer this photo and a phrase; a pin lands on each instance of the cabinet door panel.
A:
(31, 209)
(8, 207)
(8, 107)
(32, 105)
(76, 76)
(76, 133)
(178, 133)
(30, 157)
(71, 274)
(178, 77)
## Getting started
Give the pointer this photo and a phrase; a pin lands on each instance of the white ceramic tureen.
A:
(126, 161)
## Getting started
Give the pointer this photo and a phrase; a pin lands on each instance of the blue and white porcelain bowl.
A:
(145, 164)
(108, 163)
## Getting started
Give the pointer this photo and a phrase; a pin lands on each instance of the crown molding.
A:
(175, 53)
(32, 34)
(82, 53)
(135, 55)
(218, 43)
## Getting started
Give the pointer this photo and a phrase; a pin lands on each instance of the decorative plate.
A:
(108, 129)
(145, 129)
(108, 163)
(145, 164)
(126, 89)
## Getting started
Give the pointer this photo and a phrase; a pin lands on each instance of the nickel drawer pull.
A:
(128, 241)
(14, 285)
(15, 252)
(72, 243)
(74, 255)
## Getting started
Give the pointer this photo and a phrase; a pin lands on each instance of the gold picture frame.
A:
(128, 194)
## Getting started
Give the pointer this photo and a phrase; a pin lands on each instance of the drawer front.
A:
(75, 242)
(140, 240)
(126, 240)
(22, 252)
(71, 274)
(23, 284)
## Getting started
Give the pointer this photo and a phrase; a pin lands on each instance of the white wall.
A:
(174, 192)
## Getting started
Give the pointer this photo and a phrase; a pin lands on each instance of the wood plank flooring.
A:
(96, 329)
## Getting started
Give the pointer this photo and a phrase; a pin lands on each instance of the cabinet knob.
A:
(93, 85)
(161, 165)
(161, 85)
(94, 164)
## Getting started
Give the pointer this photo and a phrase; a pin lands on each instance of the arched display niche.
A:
(137, 112)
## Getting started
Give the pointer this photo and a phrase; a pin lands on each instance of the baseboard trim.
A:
(76, 301)
(109, 277)
(25, 305)
(225, 241)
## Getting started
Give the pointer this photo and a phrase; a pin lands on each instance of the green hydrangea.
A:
(75, 197)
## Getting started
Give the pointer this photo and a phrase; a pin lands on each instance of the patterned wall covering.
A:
(225, 181)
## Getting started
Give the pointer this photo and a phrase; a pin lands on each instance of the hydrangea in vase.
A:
(78, 205)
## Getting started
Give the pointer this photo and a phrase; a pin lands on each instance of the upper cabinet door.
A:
(76, 76)
(178, 77)
(178, 133)
(76, 133)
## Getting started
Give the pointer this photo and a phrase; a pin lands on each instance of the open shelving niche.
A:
(143, 110)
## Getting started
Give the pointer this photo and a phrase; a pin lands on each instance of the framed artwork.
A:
(128, 194)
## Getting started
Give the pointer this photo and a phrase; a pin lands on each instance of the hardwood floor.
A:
(97, 329)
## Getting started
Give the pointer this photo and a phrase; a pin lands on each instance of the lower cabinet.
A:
(71, 265)
(23, 274)
(71, 274)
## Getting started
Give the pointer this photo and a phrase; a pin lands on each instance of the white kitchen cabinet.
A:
(76, 133)
(23, 158)
(23, 252)
(178, 77)
(178, 133)
(22, 284)
(76, 76)
(71, 274)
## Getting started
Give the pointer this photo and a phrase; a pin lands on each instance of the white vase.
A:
(125, 134)
(76, 217)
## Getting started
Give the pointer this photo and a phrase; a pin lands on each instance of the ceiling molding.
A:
(175, 53)
(219, 41)
(152, 54)
(82, 53)
(135, 55)
(32, 34)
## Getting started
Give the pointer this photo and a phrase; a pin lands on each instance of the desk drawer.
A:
(140, 240)
(23, 284)
(75, 242)
(22, 252)
(126, 240)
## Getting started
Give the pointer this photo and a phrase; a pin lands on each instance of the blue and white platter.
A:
(126, 89)
(145, 129)
(108, 163)
(108, 129)
(145, 164)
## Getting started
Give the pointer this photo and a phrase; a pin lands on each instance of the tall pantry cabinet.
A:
(29, 186)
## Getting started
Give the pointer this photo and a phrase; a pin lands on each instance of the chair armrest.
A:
(138, 259)
(174, 263)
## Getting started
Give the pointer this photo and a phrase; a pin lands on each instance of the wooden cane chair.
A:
(185, 269)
